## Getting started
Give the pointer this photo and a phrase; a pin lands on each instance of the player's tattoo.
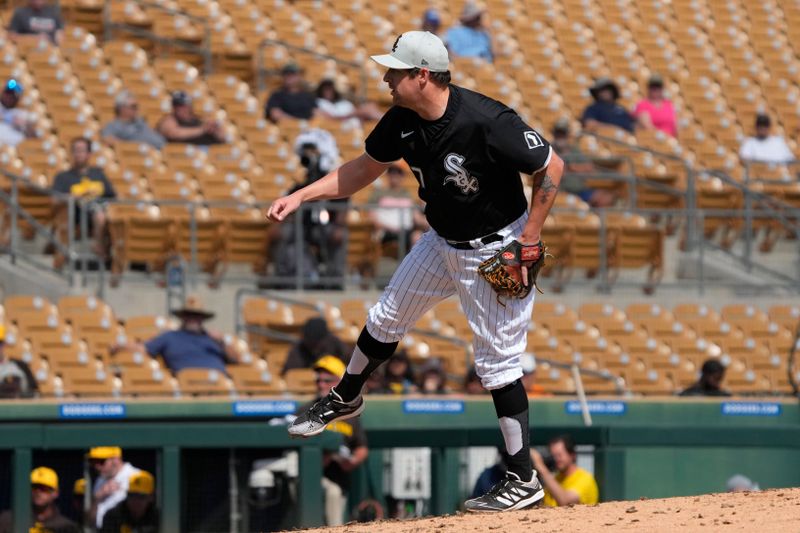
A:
(543, 184)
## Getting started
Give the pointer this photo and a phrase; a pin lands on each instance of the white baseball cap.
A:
(416, 49)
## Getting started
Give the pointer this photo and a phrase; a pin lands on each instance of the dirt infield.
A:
(776, 510)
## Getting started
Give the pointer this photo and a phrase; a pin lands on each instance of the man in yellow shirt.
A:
(571, 484)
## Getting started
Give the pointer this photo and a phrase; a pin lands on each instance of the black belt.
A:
(474, 244)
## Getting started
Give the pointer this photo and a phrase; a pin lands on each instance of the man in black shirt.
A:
(466, 151)
(293, 100)
(710, 383)
(85, 183)
(46, 517)
(37, 18)
(137, 513)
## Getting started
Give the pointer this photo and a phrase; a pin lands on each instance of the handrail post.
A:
(691, 206)
(603, 274)
(299, 243)
(14, 216)
(85, 208)
(701, 221)
(70, 238)
(193, 268)
(748, 230)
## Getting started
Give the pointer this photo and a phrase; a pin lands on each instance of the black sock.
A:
(368, 355)
(511, 406)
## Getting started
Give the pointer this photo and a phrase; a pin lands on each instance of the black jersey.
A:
(467, 162)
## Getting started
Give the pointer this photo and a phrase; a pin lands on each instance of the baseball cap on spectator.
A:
(655, 81)
(44, 476)
(180, 98)
(79, 488)
(314, 330)
(763, 120)
(2, 333)
(12, 86)
(141, 483)
(416, 49)
(470, 12)
(331, 364)
(122, 98)
(193, 308)
(561, 127)
(604, 83)
(432, 18)
(291, 68)
(105, 452)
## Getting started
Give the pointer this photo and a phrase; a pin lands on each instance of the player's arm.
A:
(545, 188)
(346, 180)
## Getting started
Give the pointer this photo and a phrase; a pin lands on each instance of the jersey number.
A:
(418, 173)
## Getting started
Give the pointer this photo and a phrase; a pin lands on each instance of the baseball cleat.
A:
(323, 412)
(508, 494)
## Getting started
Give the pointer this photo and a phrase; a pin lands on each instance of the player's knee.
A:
(373, 348)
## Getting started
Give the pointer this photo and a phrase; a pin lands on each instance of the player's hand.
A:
(531, 251)
(283, 207)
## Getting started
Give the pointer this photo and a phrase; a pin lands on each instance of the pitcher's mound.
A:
(770, 510)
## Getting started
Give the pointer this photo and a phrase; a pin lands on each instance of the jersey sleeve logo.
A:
(533, 140)
(459, 176)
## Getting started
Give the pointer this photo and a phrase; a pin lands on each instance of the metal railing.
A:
(203, 50)
(242, 328)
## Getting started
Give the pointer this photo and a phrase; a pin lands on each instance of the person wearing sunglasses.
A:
(338, 466)
(45, 514)
(128, 124)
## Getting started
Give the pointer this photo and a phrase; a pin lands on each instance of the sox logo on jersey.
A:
(459, 175)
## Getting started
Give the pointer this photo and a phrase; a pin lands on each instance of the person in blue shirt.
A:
(470, 38)
(605, 109)
(191, 346)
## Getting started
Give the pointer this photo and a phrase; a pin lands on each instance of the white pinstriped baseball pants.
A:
(433, 271)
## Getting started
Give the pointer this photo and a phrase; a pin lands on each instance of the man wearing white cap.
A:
(467, 152)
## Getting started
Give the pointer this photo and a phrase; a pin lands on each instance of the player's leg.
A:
(419, 283)
(499, 338)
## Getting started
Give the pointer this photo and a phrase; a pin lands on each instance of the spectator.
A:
(431, 21)
(78, 497)
(138, 511)
(192, 345)
(399, 375)
(492, 475)
(292, 100)
(655, 111)
(432, 379)
(376, 384)
(86, 183)
(37, 18)
(338, 466)
(563, 145)
(605, 109)
(324, 224)
(184, 126)
(710, 382)
(16, 378)
(470, 38)
(315, 341)
(15, 124)
(740, 483)
(45, 513)
(397, 216)
(129, 125)
(331, 104)
(111, 485)
(472, 382)
(571, 484)
(765, 148)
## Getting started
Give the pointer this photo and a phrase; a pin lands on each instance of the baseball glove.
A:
(503, 270)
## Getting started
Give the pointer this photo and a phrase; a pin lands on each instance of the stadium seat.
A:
(202, 382)
(148, 382)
